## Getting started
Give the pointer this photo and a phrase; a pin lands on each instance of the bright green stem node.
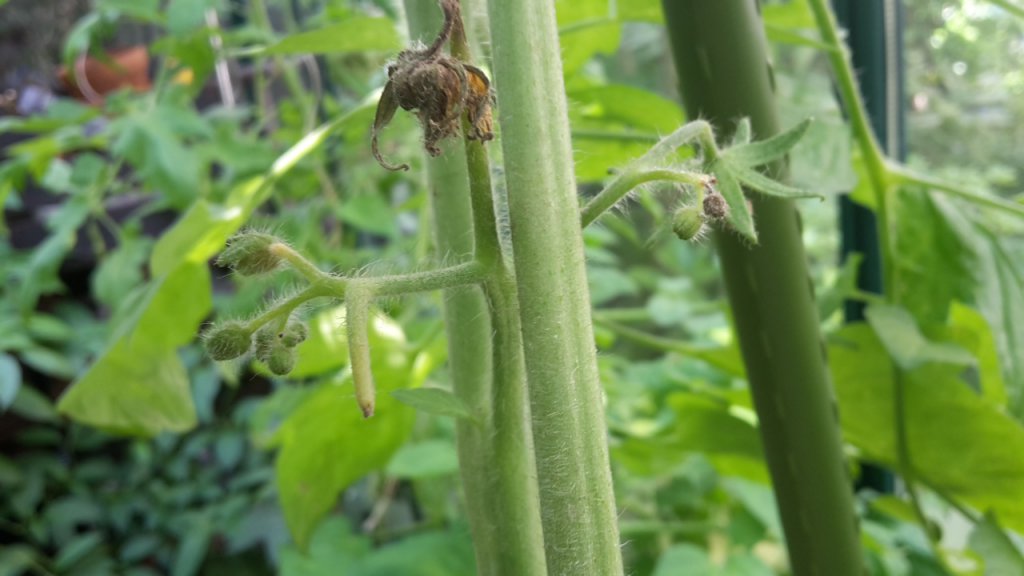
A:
(569, 434)
(720, 54)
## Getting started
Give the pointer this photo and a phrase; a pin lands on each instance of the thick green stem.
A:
(495, 458)
(720, 55)
(578, 507)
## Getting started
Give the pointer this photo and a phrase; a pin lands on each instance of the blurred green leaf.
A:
(326, 444)
(333, 549)
(354, 34)
(424, 460)
(434, 401)
(184, 15)
(10, 380)
(368, 212)
(120, 271)
(139, 386)
(1001, 556)
(76, 549)
(902, 338)
(604, 119)
(448, 553)
(586, 28)
(958, 442)
(701, 425)
(192, 549)
(14, 560)
(32, 405)
(684, 560)
(326, 347)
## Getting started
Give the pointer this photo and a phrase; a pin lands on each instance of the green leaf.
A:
(1000, 554)
(192, 549)
(185, 15)
(77, 549)
(741, 135)
(325, 348)
(48, 361)
(959, 443)
(702, 425)
(586, 28)
(355, 34)
(139, 386)
(684, 560)
(424, 460)
(902, 338)
(203, 230)
(831, 299)
(968, 328)
(333, 549)
(764, 151)
(606, 119)
(120, 272)
(739, 212)
(10, 380)
(437, 553)
(326, 444)
(15, 559)
(434, 401)
(32, 405)
(765, 185)
(369, 212)
(759, 500)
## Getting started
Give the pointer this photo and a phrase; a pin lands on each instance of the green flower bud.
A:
(227, 341)
(294, 334)
(266, 342)
(281, 360)
(688, 222)
(249, 254)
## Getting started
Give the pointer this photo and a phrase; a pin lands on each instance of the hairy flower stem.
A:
(720, 55)
(496, 456)
(569, 434)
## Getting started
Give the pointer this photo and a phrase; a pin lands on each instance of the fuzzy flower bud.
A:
(227, 341)
(688, 222)
(281, 360)
(249, 254)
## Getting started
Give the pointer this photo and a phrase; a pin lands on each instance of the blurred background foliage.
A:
(125, 450)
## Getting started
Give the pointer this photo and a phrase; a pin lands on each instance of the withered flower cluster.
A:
(439, 89)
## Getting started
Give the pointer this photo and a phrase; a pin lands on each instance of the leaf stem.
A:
(871, 151)
(298, 262)
(627, 181)
(904, 175)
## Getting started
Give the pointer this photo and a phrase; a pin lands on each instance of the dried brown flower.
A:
(439, 89)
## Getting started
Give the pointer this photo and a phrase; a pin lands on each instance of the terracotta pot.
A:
(91, 78)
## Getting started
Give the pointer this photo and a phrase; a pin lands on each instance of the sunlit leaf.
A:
(902, 338)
